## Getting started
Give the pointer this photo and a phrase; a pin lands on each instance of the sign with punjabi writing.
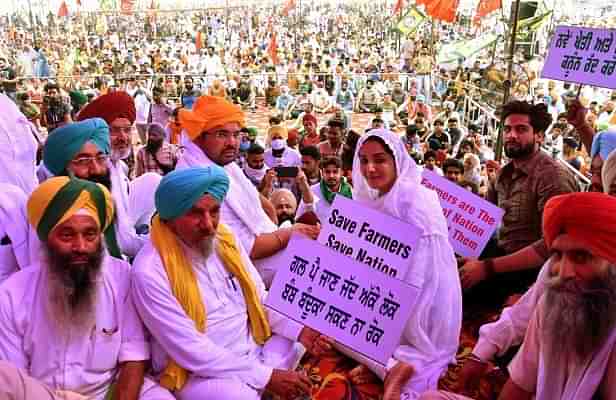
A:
(359, 307)
(582, 55)
(471, 220)
(375, 239)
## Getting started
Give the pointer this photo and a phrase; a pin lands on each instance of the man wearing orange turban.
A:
(214, 125)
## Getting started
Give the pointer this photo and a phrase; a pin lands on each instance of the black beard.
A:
(78, 281)
(579, 320)
(104, 180)
(285, 217)
(153, 147)
(519, 151)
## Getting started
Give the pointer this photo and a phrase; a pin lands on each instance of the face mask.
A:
(244, 146)
(256, 174)
(278, 144)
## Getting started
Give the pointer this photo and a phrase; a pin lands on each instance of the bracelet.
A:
(489, 265)
(280, 243)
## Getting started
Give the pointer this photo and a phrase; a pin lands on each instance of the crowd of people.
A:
(141, 213)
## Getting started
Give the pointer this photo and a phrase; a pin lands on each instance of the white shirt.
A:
(497, 337)
(86, 363)
(320, 207)
(290, 158)
(241, 211)
(18, 155)
(227, 348)
(24, 246)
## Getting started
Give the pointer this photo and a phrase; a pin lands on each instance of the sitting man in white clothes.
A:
(83, 150)
(68, 322)
(201, 298)
(323, 193)
(568, 318)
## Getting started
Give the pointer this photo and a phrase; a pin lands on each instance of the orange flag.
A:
(486, 7)
(198, 41)
(288, 7)
(444, 10)
(63, 10)
(398, 7)
(272, 49)
(126, 6)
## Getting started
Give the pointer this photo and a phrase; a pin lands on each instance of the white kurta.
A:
(24, 246)
(320, 207)
(570, 379)
(241, 210)
(133, 200)
(430, 338)
(18, 154)
(83, 362)
(497, 337)
(225, 357)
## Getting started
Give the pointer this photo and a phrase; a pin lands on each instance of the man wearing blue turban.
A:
(201, 297)
(82, 149)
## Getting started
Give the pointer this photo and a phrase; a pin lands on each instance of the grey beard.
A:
(73, 291)
(578, 321)
(206, 247)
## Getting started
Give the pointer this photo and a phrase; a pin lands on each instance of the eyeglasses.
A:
(224, 135)
(86, 161)
(120, 129)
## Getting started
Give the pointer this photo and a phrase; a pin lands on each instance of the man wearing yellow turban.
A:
(201, 298)
(213, 125)
(68, 321)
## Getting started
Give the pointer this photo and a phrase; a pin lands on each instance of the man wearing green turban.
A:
(82, 149)
(67, 322)
(195, 288)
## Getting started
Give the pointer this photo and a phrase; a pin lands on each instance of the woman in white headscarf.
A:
(386, 178)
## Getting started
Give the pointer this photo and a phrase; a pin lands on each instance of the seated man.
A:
(324, 192)
(201, 298)
(214, 129)
(82, 149)
(574, 294)
(68, 321)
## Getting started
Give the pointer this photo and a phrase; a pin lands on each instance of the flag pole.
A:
(508, 83)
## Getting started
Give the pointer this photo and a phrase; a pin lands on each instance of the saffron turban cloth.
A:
(209, 112)
(589, 218)
(65, 142)
(179, 190)
(58, 199)
(176, 194)
(603, 143)
(110, 107)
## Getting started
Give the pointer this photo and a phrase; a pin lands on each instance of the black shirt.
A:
(8, 73)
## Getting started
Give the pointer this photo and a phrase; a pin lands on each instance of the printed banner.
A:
(471, 220)
(359, 307)
(582, 55)
(370, 237)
